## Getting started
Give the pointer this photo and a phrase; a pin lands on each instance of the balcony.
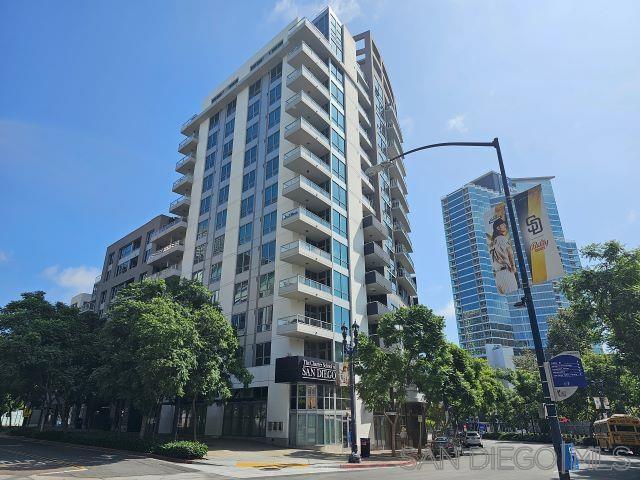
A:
(375, 256)
(303, 105)
(170, 254)
(408, 282)
(391, 116)
(303, 54)
(306, 223)
(307, 193)
(189, 144)
(400, 214)
(367, 207)
(180, 206)
(173, 230)
(376, 310)
(186, 164)
(396, 170)
(308, 328)
(398, 187)
(301, 132)
(374, 230)
(306, 255)
(305, 162)
(377, 284)
(303, 80)
(363, 117)
(364, 138)
(401, 237)
(190, 126)
(305, 290)
(363, 96)
(360, 76)
(393, 132)
(403, 258)
(367, 186)
(168, 272)
(182, 186)
(365, 159)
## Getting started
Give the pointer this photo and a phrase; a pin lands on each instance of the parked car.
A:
(446, 444)
(472, 439)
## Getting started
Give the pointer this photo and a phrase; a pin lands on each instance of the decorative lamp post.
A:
(351, 349)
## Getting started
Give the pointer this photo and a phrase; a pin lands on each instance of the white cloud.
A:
(457, 123)
(632, 216)
(73, 279)
(4, 256)
(346, 10)
(448, 311)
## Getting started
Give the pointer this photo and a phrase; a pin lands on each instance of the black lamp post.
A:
(351, 349)
(527, 299)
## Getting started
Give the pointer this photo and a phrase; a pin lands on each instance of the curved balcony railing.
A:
(303, 211)
(305, 246)
(302, 320)
(299, 279)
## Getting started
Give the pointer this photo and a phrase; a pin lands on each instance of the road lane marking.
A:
(82, 469)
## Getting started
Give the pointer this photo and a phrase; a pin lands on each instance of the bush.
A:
(184, 449)
(123, 441)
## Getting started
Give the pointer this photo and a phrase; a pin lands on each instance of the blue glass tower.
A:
(484, 317)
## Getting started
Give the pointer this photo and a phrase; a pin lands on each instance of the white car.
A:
(472, 439)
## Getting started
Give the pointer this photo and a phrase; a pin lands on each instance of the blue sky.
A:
(94, 93)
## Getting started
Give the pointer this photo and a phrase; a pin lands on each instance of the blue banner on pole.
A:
(567, 371)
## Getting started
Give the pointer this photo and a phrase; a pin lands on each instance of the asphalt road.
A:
(20, 459)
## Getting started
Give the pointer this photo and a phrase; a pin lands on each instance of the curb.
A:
(397, 463)
(133, 453)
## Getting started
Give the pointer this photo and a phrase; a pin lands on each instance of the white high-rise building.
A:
(288, 231)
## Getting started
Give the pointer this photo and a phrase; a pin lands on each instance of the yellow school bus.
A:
(617, 431)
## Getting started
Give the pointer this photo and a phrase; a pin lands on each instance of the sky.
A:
(94, 93)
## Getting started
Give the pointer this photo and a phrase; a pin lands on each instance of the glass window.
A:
(238, 321)
(340, 254)
(251, 156)
(199, 253)
(265, 288)
(231, 107)
(337, 94)
(248, 180)
(227, 149)
(339, 168)
(205, 205)
(337, 117)
(203, 228)
(274, 94)
(340, 317)
(212, 140)
(210, 161)
(225, 172)
(252, 133)
(229, 127)
(244, 233)
(268, 252)
(255, 89)
(337, 141)
(264, 319)
(276, 72)
(274, 117)
(269, 222)
(271, 168)
(207, 183)
(339, 223)
(215, 296)
(340, 285)
(221, 219)
(339, 195)
(270, 194)
(223, 194)
(218, 245)
(273, 141)
(263, 354)
(214, 121)
(246, 206)
(197, 275)
(240, 292)
(216, 272)
(243, 262)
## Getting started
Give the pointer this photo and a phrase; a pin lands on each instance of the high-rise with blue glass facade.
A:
(485, 317)
(278, 217)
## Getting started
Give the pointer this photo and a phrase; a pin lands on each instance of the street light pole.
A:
(552, 414)
(351, 349)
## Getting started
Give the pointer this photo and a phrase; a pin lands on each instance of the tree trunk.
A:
(143, 425)
(194, 419)
(44, 412)
(176, 413)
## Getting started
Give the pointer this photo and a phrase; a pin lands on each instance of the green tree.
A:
(605, 299)
(216, 349)
(147, 347)
(37, 343)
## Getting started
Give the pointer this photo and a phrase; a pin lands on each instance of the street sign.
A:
(419, 418)
(598, 402)
(567, 370)
(606, 404)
